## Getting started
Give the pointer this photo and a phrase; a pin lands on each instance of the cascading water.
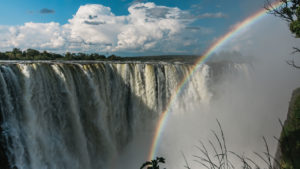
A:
(76, 115)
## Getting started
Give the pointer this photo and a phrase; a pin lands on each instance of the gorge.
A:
(62, 115)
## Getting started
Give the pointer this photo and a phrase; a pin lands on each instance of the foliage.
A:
(290, 12)
(32, 54)
(290, 135)
(153, 164)
(289, 144)
(217, 156)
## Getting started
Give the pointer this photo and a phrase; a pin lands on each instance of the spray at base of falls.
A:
(61, 116)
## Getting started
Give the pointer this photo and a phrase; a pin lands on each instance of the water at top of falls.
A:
(82, 114)
(93, 62)
(74, 115)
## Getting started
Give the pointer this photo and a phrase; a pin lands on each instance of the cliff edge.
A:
(288, 153)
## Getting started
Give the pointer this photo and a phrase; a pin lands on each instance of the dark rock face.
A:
(288, 152)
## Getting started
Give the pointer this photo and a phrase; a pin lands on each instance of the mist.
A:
(248, 103)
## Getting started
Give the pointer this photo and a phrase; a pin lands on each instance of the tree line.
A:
(32, 54)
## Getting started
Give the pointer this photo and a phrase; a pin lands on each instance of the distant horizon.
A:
(101, 53)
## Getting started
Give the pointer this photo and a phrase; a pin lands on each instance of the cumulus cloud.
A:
(47, 11)
(147, 27)
(149, 24)
(32, 35)
(93, 24)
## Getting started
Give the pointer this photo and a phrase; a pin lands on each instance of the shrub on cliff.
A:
(290, 135)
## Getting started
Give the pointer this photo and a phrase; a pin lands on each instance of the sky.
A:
(124, 27)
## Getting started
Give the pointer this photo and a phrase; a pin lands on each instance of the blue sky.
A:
(15, 12)
(194, 23)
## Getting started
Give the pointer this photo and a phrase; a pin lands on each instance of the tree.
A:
(153, 164)
(3, 56)
(17, 53)
(31, 53)
(112, 57)
(290, 12)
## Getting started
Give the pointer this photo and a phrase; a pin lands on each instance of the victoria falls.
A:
(149, 84)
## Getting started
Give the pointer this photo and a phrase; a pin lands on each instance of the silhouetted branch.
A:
(220, 144)
(153, 164)
(268, 152)
(207, 159)
(296, 50)
(279, 11)
(202, 164)
(292, 63)
(185, 160)
(224, 143)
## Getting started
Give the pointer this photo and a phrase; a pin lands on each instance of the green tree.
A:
(68, 55)
(31, 54)
(290, 12)
(10, 55)
(3, 56)
(17, 53)
(153, 164)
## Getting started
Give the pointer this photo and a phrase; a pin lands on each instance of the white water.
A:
(92, 116)
(71, 115)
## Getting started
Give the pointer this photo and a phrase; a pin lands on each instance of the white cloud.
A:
(94, 25)
(148, 25)
(95, 28)
(32, 35)
(212, 15)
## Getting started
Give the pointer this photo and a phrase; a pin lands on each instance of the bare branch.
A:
(296, 50)
(292, 63)
(267, 152)
(280, 11)
(185, 160)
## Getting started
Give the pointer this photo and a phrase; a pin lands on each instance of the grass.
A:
(289, 146)
(287, 156)
(215, 155)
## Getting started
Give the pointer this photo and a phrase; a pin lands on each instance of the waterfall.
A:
(76, 115)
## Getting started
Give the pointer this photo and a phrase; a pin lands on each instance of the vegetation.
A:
(32, 54)
(217, 156)
(289, 149)
(153, 164)
(221, 157)
(290, 12)
(288, 154)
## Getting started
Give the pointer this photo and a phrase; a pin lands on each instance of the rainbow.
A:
(214, 47)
